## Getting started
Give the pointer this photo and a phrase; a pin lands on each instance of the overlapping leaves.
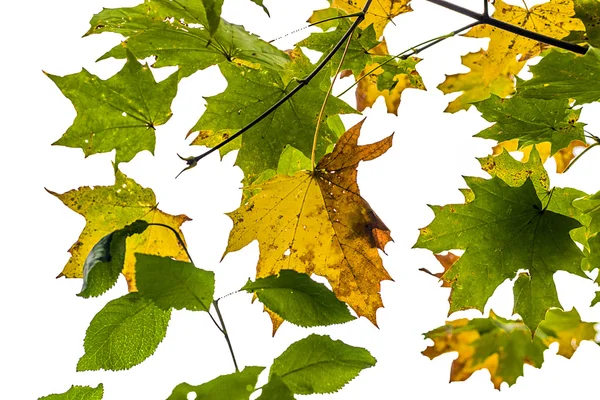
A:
(504, 346)
(493, 70)
(504, 229)
(249, 93)
(316, 222)
(110, 208)
(174, 32)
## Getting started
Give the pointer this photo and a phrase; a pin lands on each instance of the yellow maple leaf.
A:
(563, 157)
(493, 70)
(108, 208)
(379, 14)
(317, 222)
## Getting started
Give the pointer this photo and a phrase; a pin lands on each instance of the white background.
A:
(43, 322)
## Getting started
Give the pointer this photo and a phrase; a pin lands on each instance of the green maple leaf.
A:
(589, 13)
(173, 32)
(503, 229)
(119, 113)
(78, 393)
(249, 93)
(236, 386)
(531, 121)
(123, 334)
(357, 56)
(564, 75)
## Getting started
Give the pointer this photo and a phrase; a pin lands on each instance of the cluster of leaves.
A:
(301, 200)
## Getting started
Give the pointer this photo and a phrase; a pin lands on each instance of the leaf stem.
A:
(322, 111)
(216, 304)
(415, 50)
(192, 161)
(486, 19)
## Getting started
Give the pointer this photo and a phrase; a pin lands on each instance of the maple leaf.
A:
(359, 52)
(503, 230)
(316, 222)
(562, 157)
(561, 75)
(110, 208)
(249, 93)
(119, 113)
(173, 32)
(589, 13)
(387, 78)
(493, 70)
(380, 12)
(503, 346)
(531, 121)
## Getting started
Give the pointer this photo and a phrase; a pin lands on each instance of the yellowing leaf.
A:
(371, 87)
(108, 208)
(316, 222)
(493, 70)
(563, 157)
(379, 14)
(503, 346)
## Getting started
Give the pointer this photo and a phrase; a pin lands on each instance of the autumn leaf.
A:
(493, 70)
(447, 260)
(249, 93)
(316, 222)
(503, 230)
(564, 75)
(173, 32)
(386, 77)
(109, 208)
(503, 346)
(388, 81)
(515, 173)
(531, 121)
(379, 14)
(78, 393)
(562, 158)
(236, 386)
(120, 113)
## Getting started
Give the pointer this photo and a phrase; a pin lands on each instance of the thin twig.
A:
(216, 304)
(485, 19)
(192, 161)
(485, 8)
(316, 23)
(579, 156)
(322, 111)
(182, 243)
(413, 50)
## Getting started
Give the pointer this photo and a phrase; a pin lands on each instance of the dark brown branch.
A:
(485, 19)
(192, 161)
